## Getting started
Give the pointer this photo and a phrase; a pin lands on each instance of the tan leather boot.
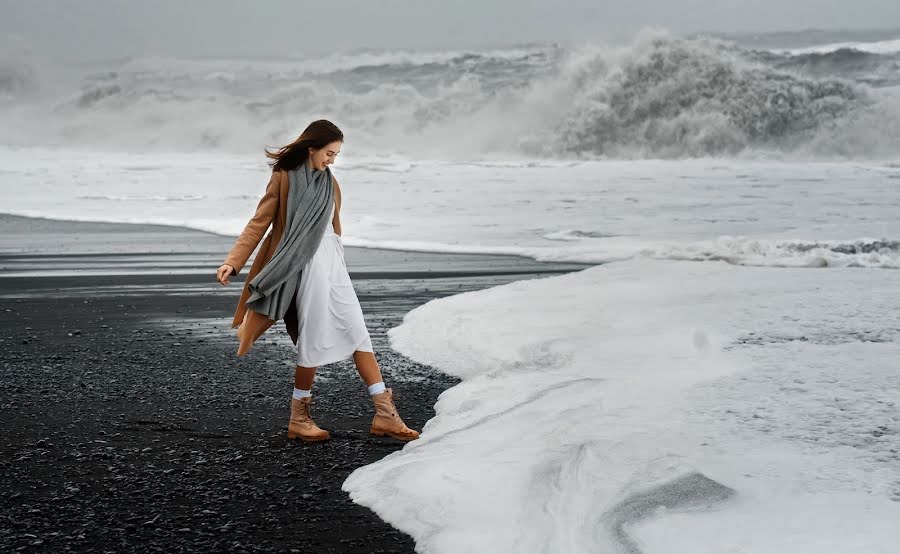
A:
(301, 425)
(387, 421)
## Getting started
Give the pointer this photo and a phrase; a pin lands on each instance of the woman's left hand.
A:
(223, 273)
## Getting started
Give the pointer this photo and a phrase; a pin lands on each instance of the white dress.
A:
(330, 320)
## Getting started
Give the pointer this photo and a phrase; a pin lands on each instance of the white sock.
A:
(377, 388)
(300, 393)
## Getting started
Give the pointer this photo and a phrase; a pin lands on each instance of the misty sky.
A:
(110, 28)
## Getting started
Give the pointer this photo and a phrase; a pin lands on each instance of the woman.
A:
(299, 276)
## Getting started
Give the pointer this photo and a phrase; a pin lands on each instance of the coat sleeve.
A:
(256, 227)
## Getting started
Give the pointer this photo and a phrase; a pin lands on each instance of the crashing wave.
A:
(882, 253)
(661, 97)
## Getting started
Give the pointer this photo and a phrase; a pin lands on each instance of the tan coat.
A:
(272, 210)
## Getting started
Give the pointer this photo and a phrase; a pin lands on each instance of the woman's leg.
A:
(386, 421)
(301, 425)
(303, 377)
(367, 366)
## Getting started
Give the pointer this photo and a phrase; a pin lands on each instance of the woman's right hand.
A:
(223, 273)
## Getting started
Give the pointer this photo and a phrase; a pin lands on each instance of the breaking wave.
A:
(884, 254)
(152, 198)
(663, 96)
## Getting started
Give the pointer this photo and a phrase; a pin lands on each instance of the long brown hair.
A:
(316, 135)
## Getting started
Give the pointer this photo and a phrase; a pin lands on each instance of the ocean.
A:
(724, 380)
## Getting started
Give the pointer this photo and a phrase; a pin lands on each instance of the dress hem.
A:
(342, 358)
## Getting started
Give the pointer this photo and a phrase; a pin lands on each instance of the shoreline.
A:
(129, 420)
(42, 247)
(19, 226)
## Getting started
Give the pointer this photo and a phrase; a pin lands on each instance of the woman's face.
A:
(323, 157)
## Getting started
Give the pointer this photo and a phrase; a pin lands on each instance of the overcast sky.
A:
(110, 28)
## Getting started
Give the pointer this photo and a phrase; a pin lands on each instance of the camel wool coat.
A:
(272, 210)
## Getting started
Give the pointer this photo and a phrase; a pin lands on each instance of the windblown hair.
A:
(316, 135)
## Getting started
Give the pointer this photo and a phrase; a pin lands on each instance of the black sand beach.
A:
(128, 423)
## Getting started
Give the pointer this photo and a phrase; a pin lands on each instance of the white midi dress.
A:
(330, 320)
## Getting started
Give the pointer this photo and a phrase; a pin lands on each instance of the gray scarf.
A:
(310, 196)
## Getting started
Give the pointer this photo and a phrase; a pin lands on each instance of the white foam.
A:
(586, 395)
(870, 252)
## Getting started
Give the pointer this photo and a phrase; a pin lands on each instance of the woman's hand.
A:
(223, 273)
